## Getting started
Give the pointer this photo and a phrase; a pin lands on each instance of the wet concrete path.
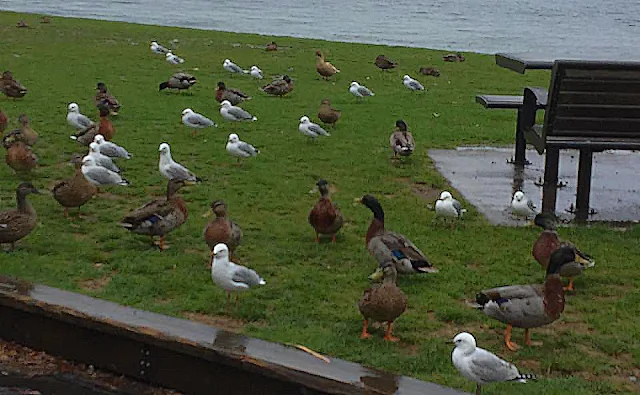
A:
(488, 182)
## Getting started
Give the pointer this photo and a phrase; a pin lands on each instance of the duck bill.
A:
(208, 214)
(584, 259)
(187, 182)
(377, 275)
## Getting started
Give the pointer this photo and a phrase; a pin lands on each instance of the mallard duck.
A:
(324, 68)
(160, 216)
(325, 216)
(328, 114)
(529, 306)
(383, 302)
(22, 23)
(45, 19)
(549, 241)
(16, 224)
(388, 246)
(20, 157)
(11, 87)
(221, 229)
(25, 134)
(75, 191)
(104, 98)
(383, 63)
(233, 96)
(3, 123)
(453, 57)
(279, 87)
(272, 46)
(401, 140)
(179, 81)
(433, 71)
(104, 128)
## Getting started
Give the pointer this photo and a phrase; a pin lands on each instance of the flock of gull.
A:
(520, 306)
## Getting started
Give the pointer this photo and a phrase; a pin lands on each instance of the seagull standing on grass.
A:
(158, 49)
(240, 149)
(233, 68)
(171, 169)
(101, 159)
(229, 276)
(359, 90)
(448, 207)
(76, 119)
(522, 206)
(196, 121)
(98, 175)
(412, 84)
(110, 149)
(256, 72)
(311, 129)
(482, 366)
(174, 59)
(233, 113)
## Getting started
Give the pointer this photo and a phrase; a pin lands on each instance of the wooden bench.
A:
(512, 102)
(592, 106)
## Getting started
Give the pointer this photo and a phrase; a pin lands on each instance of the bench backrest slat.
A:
(594, 99)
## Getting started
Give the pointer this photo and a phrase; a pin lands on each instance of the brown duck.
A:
(529, 306)
(180, 81)
(433, 71)
(234, 96)
(3, 123)
(328, 114)
(22, 23)
(383, 302)
(324, 68)
(16, 224)
(221, 229)
(401, 140)
(549, 241)
(26, 134)
(45, 19)
(279, 87)
(453, 57)
(105, 128)
(104, 98)
(11, 87)
(160, 216)
(325, 217)
(75, 191)
(384, 64)
(272, 46)
(20, 157)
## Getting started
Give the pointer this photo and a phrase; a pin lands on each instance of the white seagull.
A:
(359, 90)
(158, 49)
(256, 72)
(99, 175)
(101, 159)
(412, 84)
(77, 120)
(229, 276)
(482, 366)
(448, 207)
(196, 121)
(240, 149)
(110, 149)
(173, 59)
(311, 129)
(522, 206)
(171, 169)
(233, 113)
(233, 68)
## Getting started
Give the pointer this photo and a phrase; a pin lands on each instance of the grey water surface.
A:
(602, 28)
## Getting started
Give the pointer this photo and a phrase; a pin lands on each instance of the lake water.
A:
(603, 28)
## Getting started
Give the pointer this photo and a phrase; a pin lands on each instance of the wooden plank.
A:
(600, 85)
(625, 127)
(603, 73)
(624, 99)
(598, 110)
(500, 101)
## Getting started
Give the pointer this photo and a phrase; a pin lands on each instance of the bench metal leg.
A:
(521, 143)
(550, 187)
(584, 185)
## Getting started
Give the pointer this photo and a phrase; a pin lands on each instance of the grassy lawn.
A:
(312, 289)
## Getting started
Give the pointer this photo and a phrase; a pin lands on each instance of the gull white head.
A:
(73, 107)
(518, 196)
(304, 119)
(186, 111)
(164, 148)
(225, 103)
(88, 161)
(99, 139)
(154, 43)
(168, 55)
(233, 138)
(220, 251)
(254, 68)
(226, 62)
(93, 147)
(465, 342)
(406, 76)
(445, 195)
(354, 84)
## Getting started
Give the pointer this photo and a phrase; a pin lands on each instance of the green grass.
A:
(312, 289)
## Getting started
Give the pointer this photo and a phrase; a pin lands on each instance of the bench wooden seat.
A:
(591, 106)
